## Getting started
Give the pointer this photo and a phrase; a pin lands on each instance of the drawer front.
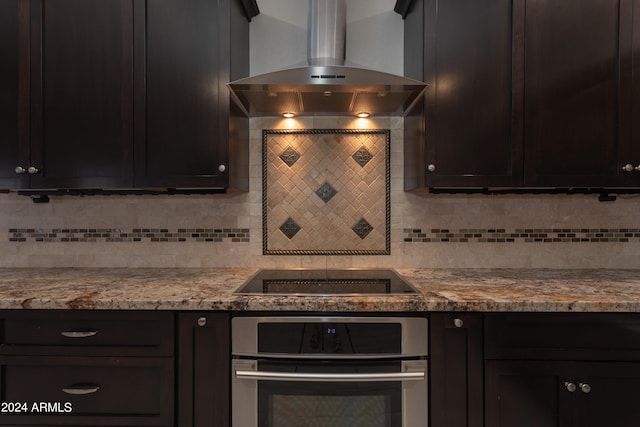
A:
(54, 332)
(87, 391)
(563, 336)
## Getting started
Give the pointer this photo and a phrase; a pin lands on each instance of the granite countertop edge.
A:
(440, 290)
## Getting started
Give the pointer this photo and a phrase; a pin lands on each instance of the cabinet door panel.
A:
(473, 133)
(14, 49)
(81, 93)
(456, 370)
(528, 394)
(203, 369)
(183, 142)
(614, 393)
(574, 133)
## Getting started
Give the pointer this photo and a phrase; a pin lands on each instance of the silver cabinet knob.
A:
(20, 169)
(202, 321)
(431, 168)
(222, 168)
(32, 170)
(628, 167)
(637, 168)
(458, 323)
(586, 388)
(571, 387)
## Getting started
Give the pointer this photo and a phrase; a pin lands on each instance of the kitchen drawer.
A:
(86, 391)
(563, 336)
(69, 332)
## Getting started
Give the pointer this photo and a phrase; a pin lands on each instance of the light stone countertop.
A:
(480, 290)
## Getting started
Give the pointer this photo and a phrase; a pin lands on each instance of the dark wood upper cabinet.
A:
(527, 93)
(13, 87)
(187, 50)
(81, 93)
(473, 116)
(120, 94)
(577, 75)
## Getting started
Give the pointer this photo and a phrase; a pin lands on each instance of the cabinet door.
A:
(81, 93)
(182, 140)
(473, 110)
(14, 50)
(203, 369)
(529, 394)
(576, 68)
(608, 395)
(456, 370)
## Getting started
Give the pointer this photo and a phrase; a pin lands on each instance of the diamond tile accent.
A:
(362, 228)
(326, 192)
(362, 156)
(290, 156)
(290, 228)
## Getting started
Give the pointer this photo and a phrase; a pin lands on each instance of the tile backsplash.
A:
(326, 192)
(502, 231)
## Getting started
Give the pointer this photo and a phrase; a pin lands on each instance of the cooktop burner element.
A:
(327, 282)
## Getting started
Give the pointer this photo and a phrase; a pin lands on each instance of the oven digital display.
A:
(330, 338)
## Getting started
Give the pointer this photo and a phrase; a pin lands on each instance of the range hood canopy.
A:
(326, 90)
(326, 86)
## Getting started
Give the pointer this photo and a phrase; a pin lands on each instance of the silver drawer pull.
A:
(79, 334)
(295, 376)
(84, 388)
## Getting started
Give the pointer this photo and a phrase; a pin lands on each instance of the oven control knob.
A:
(458, 323)
(202, 321)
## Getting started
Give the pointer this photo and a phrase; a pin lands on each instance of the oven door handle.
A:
(329, 377)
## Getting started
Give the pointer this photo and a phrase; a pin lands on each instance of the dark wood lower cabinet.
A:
(203, 369)
(560, 393)
(456, 370)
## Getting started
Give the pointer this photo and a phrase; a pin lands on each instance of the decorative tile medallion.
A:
(290, 156)
(328, 194)
(362, 228)
(289, 228)
(362, 156)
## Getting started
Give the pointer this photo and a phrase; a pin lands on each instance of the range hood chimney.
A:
(326, 86)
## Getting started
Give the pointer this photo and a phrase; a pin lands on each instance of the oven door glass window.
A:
(330, 403)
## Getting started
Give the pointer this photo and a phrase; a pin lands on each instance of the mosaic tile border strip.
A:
(326, 192)
(522, 235)
(66, 235)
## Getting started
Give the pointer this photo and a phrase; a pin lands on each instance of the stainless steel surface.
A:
(80, 389)
(244, 333)
(79, 334)
(327, 282)
(327, 27)
(410, 374)
(333, 377)
(326, 90)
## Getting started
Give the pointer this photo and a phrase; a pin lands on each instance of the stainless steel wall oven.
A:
(329, 371)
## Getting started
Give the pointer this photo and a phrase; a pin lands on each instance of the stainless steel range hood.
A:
(326, 87)
(326, 90)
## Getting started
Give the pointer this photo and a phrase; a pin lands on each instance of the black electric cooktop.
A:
(327, 282)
